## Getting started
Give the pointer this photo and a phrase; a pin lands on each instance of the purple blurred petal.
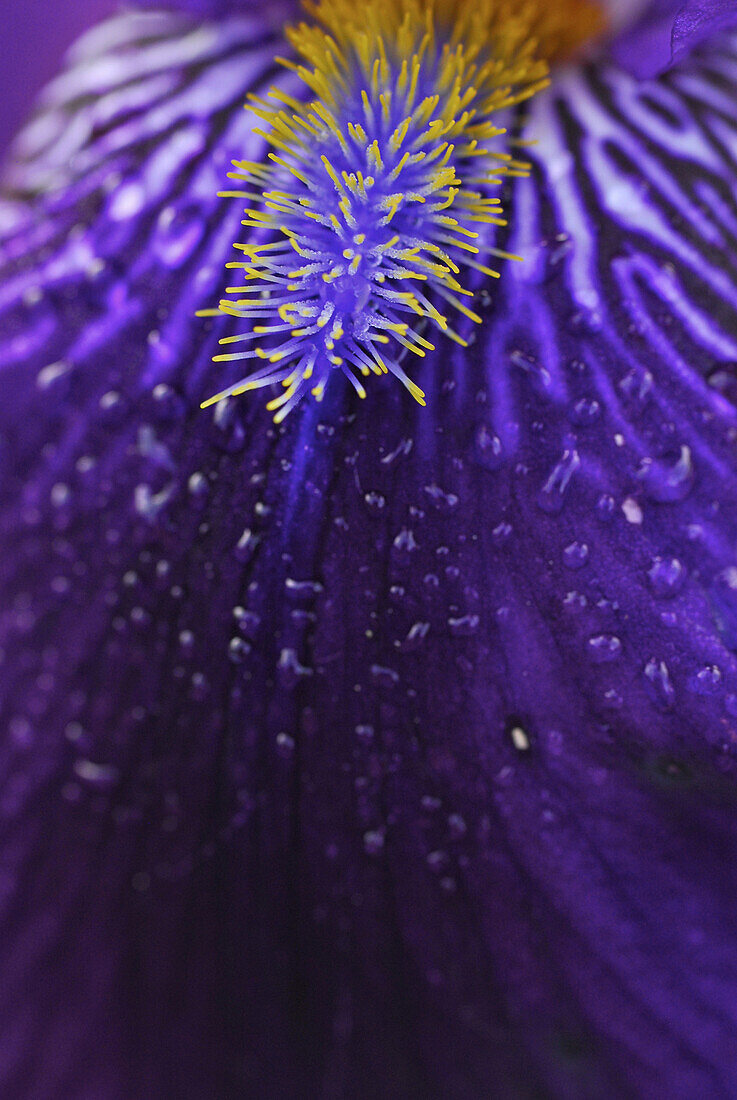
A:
(668, 31)
(35, 36)
(698, 19)
(391, 752)
(204, 8)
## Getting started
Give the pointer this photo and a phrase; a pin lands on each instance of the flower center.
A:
(379, 190)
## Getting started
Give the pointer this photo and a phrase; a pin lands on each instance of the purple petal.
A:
(196, 8)
(668, 31)
(698, 19)
(207, 9)
(35, 36)
(391, 752)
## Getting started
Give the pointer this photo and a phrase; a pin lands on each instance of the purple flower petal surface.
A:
(207, 8)
(390, 752)
(698, 19)
(35, 37)
(668, 30)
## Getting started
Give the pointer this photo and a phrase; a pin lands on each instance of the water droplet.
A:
(539, 374)
(632, 511)
(463, 626)
(401, 451)
(657, 679)
(149, 504)
(723, 599)
(284, 745)
(302, 589)
(168, 404)
(603, 648)
(54, 372)
(551, 497)
(576, 555)
(200, 686)
(248, 621)
(74, 732)
(575, 601)
(290, 669)
(636, 385)
(112, 406)
(238, 650)
(60, 494)
(605, 507)
(556, 252)
(724, 381)
(373, 842)
(585, 322)
(666, 481)
(375, 502)
(487, 448)
(437, 861)
(415, 637)
(519, 737)
(99, 776)
(384, 677)
(405, 541)
(442, 500)
(586, 411)
(666, 577)
(246, 545)
(177, 234)
(198, 486)
(707, 681)
(229, 432)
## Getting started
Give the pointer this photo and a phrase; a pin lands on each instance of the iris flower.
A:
(389, 751)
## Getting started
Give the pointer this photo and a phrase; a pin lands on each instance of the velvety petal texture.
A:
(389, 753)
(668, 30)
(698, 19)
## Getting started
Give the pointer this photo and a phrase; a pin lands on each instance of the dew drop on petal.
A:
(666, 577)
(632, 511)
(551, 497)
(415, 637)
(658, 681)
(707, 681)
(576, 555)
(603, 648)
(373, 842)
(384, 677)
(520, 738)
(97, 776)
(464, 625)
(488, 450)
(667, 481)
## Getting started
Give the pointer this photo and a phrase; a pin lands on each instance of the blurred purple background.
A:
(35, 36)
